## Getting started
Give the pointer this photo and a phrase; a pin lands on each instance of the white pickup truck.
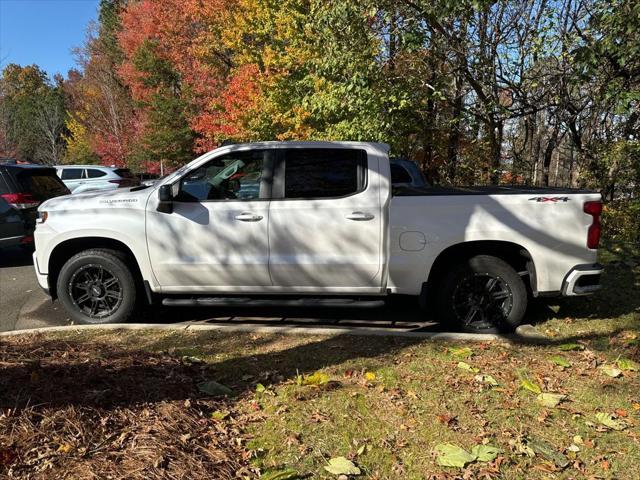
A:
(320, 224)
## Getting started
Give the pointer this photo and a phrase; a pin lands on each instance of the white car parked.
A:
(84, 178)
(316, 223)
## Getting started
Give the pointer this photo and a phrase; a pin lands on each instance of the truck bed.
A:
(485, 190)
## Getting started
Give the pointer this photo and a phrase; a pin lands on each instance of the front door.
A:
(215, 239)
(326, 222)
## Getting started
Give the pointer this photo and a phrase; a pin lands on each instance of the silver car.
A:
(84, 178)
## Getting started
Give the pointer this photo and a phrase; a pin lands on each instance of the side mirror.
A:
(165, 195)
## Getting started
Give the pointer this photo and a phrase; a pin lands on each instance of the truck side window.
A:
(324, 172)
(399, 174)
(235, 176)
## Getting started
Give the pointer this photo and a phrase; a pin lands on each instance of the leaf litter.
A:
(99, 411)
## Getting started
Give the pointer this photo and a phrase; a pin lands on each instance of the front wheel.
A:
(482, 295)
(96, 286)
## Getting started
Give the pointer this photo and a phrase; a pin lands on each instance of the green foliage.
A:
(33, 114)
(167, 134)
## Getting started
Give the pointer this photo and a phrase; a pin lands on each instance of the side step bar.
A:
(271, 302)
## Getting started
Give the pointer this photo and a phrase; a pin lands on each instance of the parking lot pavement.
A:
(23, 305)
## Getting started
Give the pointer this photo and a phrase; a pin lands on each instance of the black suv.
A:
(23, 187)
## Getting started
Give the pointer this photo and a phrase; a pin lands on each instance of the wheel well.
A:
(515, 255)
(65, 250)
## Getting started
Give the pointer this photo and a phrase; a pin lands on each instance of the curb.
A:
(289, 330)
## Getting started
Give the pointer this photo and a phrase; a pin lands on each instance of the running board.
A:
(268, 302)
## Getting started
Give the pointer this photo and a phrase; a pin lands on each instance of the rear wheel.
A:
(482, 295)
(96, 286)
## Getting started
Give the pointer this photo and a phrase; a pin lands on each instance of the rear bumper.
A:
(582, 280)
(43, 278)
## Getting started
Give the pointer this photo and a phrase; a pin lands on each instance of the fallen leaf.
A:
(561, 362)
(611, 370)
(65, 448)
(608, 421)
(568, 347)
(342, 466)
(460, 352)
(550, 400)
(315, 379)
(287, 474)
(532, 387)
(188, 360)
(626, 364)
(466, 366)
(370, 376)
(450, 455)
(485, 453)
(549, 452)
(7, 456)
(488, 379)
(219, 415)
(214, 388)
(521, 447)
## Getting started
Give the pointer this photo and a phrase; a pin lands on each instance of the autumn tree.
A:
(33, 115)
(100, 102)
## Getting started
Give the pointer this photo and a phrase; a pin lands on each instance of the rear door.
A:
(96, 179)
(73, 177)
(326, 222)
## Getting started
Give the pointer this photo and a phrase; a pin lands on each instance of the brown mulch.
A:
(91, 410)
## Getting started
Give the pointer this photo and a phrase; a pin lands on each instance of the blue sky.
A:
(43, 31)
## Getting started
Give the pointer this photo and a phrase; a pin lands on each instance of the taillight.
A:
(595, 229)
(20, 200)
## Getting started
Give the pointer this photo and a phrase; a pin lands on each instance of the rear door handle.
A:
(360, 216)
(248, 217)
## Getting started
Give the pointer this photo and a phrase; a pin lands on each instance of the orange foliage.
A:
(186, 34)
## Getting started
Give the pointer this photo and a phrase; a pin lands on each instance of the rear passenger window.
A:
(399, 174)
(324, 172)
(72, 173)
(95, 173)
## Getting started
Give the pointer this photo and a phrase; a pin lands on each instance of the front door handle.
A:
(248, 217)
(360, 216)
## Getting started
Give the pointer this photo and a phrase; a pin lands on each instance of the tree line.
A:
(540, 92)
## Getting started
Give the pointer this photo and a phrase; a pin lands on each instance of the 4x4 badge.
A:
(549, 199)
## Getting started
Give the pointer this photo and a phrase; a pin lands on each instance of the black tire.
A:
(108, 282)
(483, 294)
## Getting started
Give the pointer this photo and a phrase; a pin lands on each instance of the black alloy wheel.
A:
(98, 286)
(95, 291)
(482, 301)
(483, 294)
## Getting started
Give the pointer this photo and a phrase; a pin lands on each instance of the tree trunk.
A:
(453, 144)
